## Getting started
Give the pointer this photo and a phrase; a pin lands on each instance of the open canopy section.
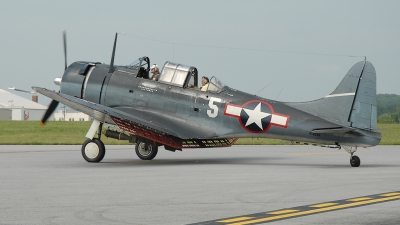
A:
(179, 75)
(186, 77)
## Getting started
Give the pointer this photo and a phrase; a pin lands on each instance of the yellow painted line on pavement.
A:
(358, 199)
(283, 211)
(390, 194)
(324, 205)
(235, 219)
(313, 211)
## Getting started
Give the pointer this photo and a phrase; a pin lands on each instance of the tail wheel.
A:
(146, 151)
(355, 161)
(93, 150)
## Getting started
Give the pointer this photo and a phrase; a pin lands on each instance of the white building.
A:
(66, 115)
(21, 108)
(5, 114)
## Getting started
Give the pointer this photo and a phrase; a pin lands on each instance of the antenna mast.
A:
(113, 54)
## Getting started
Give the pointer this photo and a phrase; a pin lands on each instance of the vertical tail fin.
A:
(352, 103)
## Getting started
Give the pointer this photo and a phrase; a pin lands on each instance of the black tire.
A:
(355, 161)
(146, 151)
(93, 150)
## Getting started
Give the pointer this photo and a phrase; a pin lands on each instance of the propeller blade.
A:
(65, 47)
(53, 105)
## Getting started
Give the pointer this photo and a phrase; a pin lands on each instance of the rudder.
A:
(364, 111)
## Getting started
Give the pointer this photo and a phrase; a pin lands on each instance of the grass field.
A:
(73, 133)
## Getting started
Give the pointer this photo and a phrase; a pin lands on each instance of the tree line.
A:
(388, 108)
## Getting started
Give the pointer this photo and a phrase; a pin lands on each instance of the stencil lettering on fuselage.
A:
(256, 116)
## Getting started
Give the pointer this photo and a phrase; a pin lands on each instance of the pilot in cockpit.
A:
(155, 71)
(204, 82)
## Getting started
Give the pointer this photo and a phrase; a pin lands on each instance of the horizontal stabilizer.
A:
(333, 130)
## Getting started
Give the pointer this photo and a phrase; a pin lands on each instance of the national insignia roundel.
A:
(256, 116)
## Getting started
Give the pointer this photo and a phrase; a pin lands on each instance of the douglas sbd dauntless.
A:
(175, 113)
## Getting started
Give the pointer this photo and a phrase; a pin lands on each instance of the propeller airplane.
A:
(175, 113)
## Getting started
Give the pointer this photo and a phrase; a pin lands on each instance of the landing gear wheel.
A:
(93, 150)
(355, 161)
(146, 151)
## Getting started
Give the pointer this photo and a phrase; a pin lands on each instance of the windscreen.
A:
(135, 64)
(140, 62)
(215, 85)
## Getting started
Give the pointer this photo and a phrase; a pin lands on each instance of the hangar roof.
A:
(10, 100)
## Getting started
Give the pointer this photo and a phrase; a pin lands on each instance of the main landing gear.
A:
(93, 149)
(354, 160)
(146, 150)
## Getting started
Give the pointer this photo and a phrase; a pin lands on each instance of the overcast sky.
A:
(300, 49)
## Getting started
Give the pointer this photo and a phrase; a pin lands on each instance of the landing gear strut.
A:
(93, 149)
(146, 150)
(354, 160)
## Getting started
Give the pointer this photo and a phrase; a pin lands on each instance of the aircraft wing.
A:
(107, 114)
(168, 129)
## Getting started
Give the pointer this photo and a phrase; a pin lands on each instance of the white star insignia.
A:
(256, 115)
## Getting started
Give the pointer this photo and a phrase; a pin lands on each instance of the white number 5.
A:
(214, 109)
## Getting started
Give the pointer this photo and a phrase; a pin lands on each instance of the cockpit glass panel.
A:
(167, 75)
(179, 77)
(138, 63)
(215, 85)
(144, 63)
(135, 64)
(191, 83)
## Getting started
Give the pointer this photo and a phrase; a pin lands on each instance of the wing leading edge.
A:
(101, 112)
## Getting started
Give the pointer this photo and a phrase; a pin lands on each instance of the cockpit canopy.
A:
(178, 74)
(175, 74)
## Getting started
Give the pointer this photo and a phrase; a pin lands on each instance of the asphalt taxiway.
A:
(237, 185)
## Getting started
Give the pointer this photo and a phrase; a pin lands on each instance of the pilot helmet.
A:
(155, 67)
